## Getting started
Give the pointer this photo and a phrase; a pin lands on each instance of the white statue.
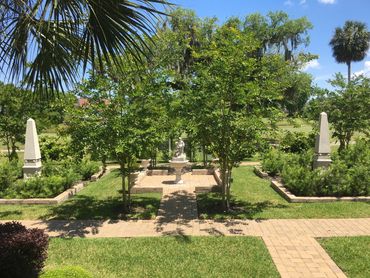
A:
(180, 145)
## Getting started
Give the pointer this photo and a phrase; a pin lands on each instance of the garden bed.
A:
(56, 200)
(279, 187)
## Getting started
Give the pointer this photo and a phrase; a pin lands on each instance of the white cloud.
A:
(365, 71)
(327, 2)
(291, 3)
(313, 64)
(288, 3)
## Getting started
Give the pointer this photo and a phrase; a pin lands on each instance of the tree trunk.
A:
(190, 151)
(348, 139)
(14, 155)
(124, 195)
(228, 183)
(129, 168)
(104, 162)
(349, 72)
(342, 145)
(224, 185)
(8, 148)
(204, 155)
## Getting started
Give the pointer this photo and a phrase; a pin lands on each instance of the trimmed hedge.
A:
(22, 251)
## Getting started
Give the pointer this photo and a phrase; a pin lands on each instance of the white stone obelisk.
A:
(32, 154)
(322, 145)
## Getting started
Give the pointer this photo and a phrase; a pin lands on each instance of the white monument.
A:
(179, 160)
(32, 154)
(322, 145)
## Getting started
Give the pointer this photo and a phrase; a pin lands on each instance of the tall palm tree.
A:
(350, 43)
(46, 43)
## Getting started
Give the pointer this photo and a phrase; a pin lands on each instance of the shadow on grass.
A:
(210, 207)
(4, 214)
(87, 207)
(84, 215)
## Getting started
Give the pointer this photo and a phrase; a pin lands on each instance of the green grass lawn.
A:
(164, 257)
(295, 125)
(254, 198)
(99, 200)
(351, 254)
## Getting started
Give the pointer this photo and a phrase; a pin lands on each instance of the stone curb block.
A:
(157, 172)
(202, 172)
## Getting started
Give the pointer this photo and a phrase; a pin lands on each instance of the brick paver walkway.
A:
(178, 202)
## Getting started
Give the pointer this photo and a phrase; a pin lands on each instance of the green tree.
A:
(123, 119)
(17, 105)
(350, 43)
(278, 34)
(14, 112)
(236, 90)
(45, 42)
(347, 107)
(297, 92)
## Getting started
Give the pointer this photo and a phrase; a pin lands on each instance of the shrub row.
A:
(348, 175)
(57, 176)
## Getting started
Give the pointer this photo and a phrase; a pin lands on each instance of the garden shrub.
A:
(40, 187)
(356, 154)
(54, 148)
(67, 272)
(273, 162)
(86, 168)
(298, 179)
(22, 251)
(359, 180)
(56, 177)
(296, 142)
(9, 173)
(348, 175)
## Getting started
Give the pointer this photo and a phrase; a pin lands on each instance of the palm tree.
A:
(46, 44)
(350, 43)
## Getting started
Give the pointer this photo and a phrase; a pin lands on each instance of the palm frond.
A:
(45, 43)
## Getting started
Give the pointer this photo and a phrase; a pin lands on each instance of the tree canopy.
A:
(350, 43)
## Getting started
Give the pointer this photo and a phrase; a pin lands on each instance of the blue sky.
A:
(325, 15)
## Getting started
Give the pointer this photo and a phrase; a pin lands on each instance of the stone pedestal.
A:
(134, 177)
(321, 161)
(178, 163)
(322, 144)
(145, 163)
(32, 154)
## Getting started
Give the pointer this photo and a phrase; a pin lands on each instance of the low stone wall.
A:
(258, 171)
(157, 172)
(138, 190)
(202, 172)
(290, 197)
(56, 200)
(217, 176)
